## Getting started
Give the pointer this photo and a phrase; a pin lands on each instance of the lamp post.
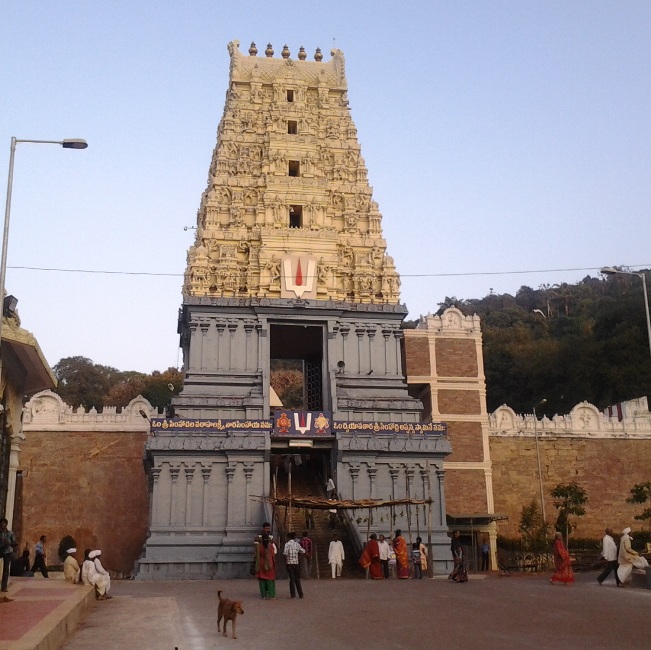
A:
(70, 143)
(611, 271)
(540, 478)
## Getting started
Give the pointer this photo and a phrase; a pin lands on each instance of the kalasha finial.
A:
(253, 50)
(285, 52)
(317, 55)
(302, 55)
(269, 51)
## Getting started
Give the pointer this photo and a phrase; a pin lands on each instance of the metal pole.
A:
(646, 307)
(5, 239)
(540, 478)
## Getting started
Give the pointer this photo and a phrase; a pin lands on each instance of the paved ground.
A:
(508, 612)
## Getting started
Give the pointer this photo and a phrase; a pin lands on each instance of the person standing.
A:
(609, 553)
(562, 562)
(370, 558)
(385, 551)
(336, 556)
(40, 557)
(460, 572)
(402, 557)
(485, 550)
(423, 555)
(292, 551)
(7, 547)
(265, 567)
(331, 489)
(415, 561)
(71, 566)
(305, 560)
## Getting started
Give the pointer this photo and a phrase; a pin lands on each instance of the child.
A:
(415, 560)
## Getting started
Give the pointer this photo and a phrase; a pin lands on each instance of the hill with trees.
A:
(565, 343)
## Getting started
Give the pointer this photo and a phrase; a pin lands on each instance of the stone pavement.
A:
(41, 614)
(495, 612)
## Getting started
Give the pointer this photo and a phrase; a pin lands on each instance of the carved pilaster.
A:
(230, 475)
(205, 473)
(372, 473)
(248, 474)
(174, 475)
(189, 474)
(155, 495)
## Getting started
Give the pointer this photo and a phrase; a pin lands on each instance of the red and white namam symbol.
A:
(299, 275)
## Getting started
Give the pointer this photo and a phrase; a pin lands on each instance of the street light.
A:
(69, 143)
(540, 478)
(611, 271)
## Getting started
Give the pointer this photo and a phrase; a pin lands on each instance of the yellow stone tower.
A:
(288, 211)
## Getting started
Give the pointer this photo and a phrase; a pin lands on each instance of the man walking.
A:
(609, 553)
(7, 547)
(40, 557)
(305, 560)
(336, 556)
(292, 551)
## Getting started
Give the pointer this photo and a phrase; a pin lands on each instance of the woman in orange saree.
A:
(564, 573)
(402, 558)
(370, 558)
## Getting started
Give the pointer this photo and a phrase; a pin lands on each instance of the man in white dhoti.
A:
(336, 556)
(71, 566)
(91, 576)
(628, 558)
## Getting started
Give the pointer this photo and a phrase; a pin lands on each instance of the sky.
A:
(508, 143)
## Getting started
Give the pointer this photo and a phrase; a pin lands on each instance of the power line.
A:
(402, 275)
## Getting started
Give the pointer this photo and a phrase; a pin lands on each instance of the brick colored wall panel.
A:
(456, 358)
(467, 442)
(417, 358)
(465, 491)
(458, 402)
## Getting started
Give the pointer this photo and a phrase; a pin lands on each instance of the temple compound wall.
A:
(605, 455)
(82, 475)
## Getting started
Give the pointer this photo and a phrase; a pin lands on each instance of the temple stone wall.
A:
(604, 455)
(398, 467)
(83, 476)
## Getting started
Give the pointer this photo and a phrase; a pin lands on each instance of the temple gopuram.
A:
(292, 343)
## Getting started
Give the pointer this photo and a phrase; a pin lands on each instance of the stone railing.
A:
(583, 421)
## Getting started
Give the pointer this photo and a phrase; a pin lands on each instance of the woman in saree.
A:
(564, 573)
(265, 567)
(370, 558)
(402, 557)
(459, 573)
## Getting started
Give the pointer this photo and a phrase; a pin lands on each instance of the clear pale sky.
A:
(499, 137)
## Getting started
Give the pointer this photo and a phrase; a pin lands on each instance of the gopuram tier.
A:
(288, 276)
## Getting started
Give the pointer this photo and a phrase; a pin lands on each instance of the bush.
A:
(66, 542)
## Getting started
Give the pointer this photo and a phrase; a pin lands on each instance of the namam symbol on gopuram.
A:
(288, 211)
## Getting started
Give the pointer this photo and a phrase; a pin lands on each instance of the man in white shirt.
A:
(336, 556)
(609, 553)
(385, 551)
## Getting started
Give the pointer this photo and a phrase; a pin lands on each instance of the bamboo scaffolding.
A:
(317, 503)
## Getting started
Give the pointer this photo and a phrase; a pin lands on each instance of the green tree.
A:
(82, 382)
(641, 493)
(533, 527)
(569, 500)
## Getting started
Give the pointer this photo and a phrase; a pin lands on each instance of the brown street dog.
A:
(228, 610)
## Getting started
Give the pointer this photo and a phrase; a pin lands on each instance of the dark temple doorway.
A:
(296, 366)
